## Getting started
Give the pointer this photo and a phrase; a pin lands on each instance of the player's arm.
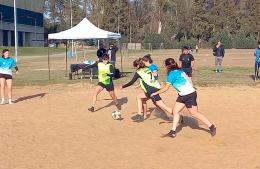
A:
(111, 70)
(134, 79)
(155, 73)
(164, 89)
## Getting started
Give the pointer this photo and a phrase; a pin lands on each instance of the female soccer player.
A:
(105, 73)
(148, 62)
(187, 96)
(149, 86)
(6, 65)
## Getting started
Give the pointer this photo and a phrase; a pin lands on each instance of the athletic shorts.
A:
(6, 76)
(188, 71)
(150, 91)
(189, 100)
(109, 87)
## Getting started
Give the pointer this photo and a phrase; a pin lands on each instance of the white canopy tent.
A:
(84, 30)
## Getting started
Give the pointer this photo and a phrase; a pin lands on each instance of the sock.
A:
(2, 100)
(10, 101)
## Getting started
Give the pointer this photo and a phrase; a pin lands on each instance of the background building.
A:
(30, 29)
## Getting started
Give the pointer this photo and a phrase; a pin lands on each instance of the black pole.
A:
(66, 58)
(49, 70)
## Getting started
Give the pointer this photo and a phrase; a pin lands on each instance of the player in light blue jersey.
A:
(6, 65)
(187, 96)
(257, 61)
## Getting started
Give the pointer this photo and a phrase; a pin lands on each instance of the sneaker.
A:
(213, 130)
(91, 109)
(171, 134)
(2, 101)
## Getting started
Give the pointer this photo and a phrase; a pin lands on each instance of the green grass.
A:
(205, 76)
(33, 70)
(33, 51)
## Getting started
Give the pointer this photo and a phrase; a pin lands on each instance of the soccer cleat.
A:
(171, 134)
(91, 109)
(213, 130)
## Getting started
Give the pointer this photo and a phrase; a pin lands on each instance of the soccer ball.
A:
(116, 115)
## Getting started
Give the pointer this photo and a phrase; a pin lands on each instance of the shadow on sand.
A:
(121, 102)
(20, 99)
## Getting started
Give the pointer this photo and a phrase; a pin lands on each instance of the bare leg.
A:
(194, 112)
(113, 96)
(98, 89)
(163, 106)
(140, 98)
(144, 106)
(176, 114)
(9, 89)
(2, 83)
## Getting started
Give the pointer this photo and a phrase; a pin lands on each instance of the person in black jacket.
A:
(186, 61)
(100, 52)
(219, 53)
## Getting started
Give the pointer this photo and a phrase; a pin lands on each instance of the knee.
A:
(194, 114)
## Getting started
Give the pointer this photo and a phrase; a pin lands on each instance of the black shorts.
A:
(109, 87)
(188, 71)
(150, 91)
(189, 100)
(6, 76)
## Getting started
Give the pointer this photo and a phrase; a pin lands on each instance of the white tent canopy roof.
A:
(84, 30)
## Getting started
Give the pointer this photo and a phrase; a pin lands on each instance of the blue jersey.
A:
(257, 55)
(154, 68)
(179, 80)
(6, 65)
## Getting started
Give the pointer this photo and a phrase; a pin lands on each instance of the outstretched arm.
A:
(164, 89)
(136, 76)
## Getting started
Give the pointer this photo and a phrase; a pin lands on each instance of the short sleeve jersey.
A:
(6, 65)
(154, 68)
(186, 60)
(179, 80)
(257, 55)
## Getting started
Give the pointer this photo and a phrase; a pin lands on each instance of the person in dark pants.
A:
(219, 53)
(186, 61)
(112, 53)
(100, 52)
(257, 61)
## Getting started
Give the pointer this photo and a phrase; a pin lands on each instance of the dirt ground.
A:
(50, 128)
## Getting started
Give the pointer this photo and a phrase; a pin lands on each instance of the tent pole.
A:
(66, 59)
(49, 71)
(121, 59)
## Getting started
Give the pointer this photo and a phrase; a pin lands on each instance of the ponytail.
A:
(171, 65)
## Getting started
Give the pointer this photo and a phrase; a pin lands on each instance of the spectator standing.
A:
(100, 52)
(219, 53)
(6, 65)
(257, 61)
(112, 53)
(186, 61)
(197, 48)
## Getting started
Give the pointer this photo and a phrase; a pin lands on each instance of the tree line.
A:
(169, 22)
